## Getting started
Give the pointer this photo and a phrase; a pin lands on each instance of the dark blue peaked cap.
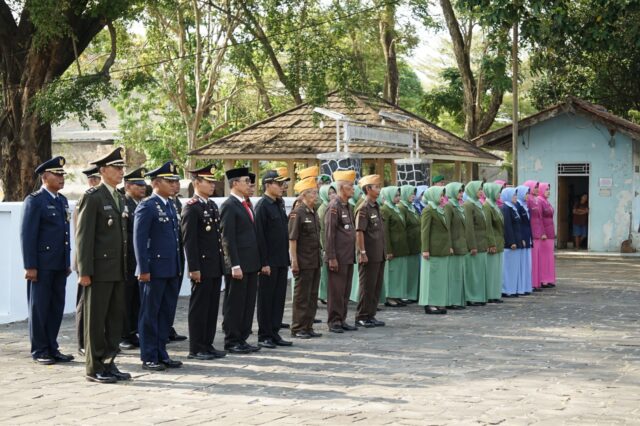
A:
(55, 165)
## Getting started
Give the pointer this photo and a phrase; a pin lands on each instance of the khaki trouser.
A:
(305, 299)
(371, 279)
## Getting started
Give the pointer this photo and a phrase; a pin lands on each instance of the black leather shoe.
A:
(81, 352)
(101, 378)
(365, 323)
(377, 323)
(551, 285)
(284, 325)
(537, 289)
(456, 307)
(279, 341)
(202, 356)
(317, 321)
(153, 366)
(526, 293)
(216, 353)
(500, 300)
(60, 357)
(323, 301)
(431, 310)
(238, 349)
(251, 347)
(266, 343)
(119, 375)
(44, 360)
(313, 333)
(126, 345)
(175, 337)
(301, 335)
(336, 329)
(348, 327)
(170, 363)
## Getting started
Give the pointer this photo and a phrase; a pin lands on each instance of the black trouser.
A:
(131, 308)
(238, 308)
(203, 313)
(272, 292)
(80, 316)
(103, 306)
(46, 306)
(371, 278)
(173, 319)
(305, 300)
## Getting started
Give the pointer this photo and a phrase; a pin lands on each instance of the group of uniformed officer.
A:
(131, 249)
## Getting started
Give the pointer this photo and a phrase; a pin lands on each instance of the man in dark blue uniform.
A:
(156, 243)
(273, 240)
(134, 191)
(203, 246)
(46, 256)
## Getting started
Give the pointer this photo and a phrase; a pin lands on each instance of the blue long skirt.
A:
(511, 271)
(524, 283)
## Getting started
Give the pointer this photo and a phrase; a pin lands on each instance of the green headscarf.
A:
(357, 193)
(432, 197)
(471, 189)
(388, 193)
(452, 190)
(492, 191)
(407, 191)
(324, 194)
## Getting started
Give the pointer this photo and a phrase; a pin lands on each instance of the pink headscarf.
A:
(503, 184)
(542, 188)
(531, 184)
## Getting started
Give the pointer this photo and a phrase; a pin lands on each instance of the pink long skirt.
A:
(547, 262)
(535, 264)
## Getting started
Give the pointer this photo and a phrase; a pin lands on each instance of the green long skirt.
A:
(494, 276)
(456, 281)
(410, 290)
(434, 281)
(324, 280)
(475, 277)
(395, 277)
(355, 285)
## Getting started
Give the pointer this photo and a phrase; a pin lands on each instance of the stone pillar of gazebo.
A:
(332, 161)
(413, 171)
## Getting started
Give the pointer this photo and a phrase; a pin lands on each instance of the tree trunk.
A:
(388, 41)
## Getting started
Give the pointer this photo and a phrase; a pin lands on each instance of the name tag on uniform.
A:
(51, 207)
(109, 207)
(307, 220)
(374, 216)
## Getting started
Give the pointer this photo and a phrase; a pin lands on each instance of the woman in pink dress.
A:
(537, 231)
(546, 257)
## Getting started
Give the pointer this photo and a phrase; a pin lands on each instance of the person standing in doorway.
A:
(580, 220)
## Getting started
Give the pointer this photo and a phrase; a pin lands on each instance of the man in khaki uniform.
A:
(371, 253)
(340, 238)
(101, 244)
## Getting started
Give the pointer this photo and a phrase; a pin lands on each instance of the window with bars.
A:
(573, 169)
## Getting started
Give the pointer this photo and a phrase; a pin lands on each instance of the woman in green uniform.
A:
(412, 221)
(495, 242)
(354, 202)
(397, 248)
(454, 211)
(436, 251)
(475, 266)
(327, 193)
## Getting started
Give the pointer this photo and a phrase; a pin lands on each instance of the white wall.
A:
(13, 286)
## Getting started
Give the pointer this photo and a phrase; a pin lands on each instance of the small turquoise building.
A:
(579, 147)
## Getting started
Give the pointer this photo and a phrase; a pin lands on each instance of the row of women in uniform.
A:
(460, 245)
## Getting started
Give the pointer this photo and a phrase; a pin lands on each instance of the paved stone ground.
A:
(565, 356)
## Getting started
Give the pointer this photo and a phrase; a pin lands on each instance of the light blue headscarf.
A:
(522, 192)
(506, 196)
(417, 203)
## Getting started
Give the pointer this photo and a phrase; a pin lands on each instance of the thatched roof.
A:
(293, 134)
(501, 138)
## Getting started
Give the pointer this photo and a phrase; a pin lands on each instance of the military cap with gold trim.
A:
(166, 171)
(313, 171)
(283, 171)
(271, 176)
(205, 172)
(93, 171)
(346, 175)
(370, 180)
(54, 165)
(136, 176)
(305, 184)
(114, 158)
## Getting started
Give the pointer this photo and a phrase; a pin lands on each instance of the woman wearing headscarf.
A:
(327, 193)
(475, 267)
(524, 281)
(417, 203)
(412, 222)
(354, 202)
(395, 237)
(537, 231)
(454, 212)
(495, 242)
(547, 240)
(513, 243)
(502, 184)
(436, 251)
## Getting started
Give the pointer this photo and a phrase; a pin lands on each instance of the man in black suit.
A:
(242, 258)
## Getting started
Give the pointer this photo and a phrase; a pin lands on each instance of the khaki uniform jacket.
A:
(304, 227)
(476, 227)
(495, 228)
(369, 221)
(435, 235)
(412, 221)
(458, 228)
(395, 232)
(340, 233)
(101, 236)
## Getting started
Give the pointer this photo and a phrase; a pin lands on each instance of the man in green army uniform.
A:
(101, 246)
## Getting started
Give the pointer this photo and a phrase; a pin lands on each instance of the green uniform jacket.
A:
(101, 236)
(395, 233)
(412, 221)
(458, 228)
(476, 227)
(495, 228)
(435, 235)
